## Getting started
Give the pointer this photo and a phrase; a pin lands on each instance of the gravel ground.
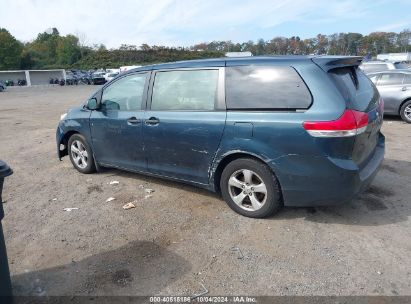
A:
(182, 236)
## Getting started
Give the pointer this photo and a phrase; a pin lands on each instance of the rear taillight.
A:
(350, 123)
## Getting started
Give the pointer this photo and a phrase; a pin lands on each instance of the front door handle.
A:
(133, 121)
(404, 89)
(152, 121)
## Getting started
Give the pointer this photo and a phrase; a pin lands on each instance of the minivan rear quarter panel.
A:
(303, 165)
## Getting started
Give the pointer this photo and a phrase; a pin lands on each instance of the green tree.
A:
(404, 40)
(260, 47)
(145, 47)
(27, 62)
(278, 46)
(51, 50)
(10, 51)
(248, 46)
(43, 50)
(321, 44)
(68, 50)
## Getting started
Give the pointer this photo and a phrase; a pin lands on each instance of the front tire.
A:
(405, 111)
(80, 154)
(250, 188)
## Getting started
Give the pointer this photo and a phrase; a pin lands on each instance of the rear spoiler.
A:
(332, 62)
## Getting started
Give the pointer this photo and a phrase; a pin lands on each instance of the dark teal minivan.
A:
(262, 131)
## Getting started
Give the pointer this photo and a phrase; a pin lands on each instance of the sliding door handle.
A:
(133, 121)
(152, 121)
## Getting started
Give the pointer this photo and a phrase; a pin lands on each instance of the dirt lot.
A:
(182, 236)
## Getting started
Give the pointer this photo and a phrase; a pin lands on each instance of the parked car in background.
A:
(9, 82)
(395, 89)
(21, 82)
(54, 81)
(85, 78)
(71, 79)
(2, 86)
(377, 66)
(109, 76)
(98, 78)
(112, 70)
(262, 131)
(128, 68)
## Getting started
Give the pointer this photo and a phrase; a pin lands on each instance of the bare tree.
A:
(82, 41)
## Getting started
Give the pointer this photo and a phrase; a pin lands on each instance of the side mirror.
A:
(92, 104)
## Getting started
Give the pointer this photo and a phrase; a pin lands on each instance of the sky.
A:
(185, 23)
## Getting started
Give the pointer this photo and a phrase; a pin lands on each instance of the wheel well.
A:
(228, 159)
(64, 142)
(399, 110)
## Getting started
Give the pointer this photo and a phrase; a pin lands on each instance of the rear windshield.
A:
(357, 89)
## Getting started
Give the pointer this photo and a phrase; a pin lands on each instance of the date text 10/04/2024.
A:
(203, 299)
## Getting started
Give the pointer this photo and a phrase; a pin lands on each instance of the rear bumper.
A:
(322, 181)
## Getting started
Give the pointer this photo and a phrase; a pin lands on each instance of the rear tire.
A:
(405, 111)
(250, 188)
(80, 154)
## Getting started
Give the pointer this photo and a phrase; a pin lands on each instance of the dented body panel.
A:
(183, 145)
(308, 173)
(77, 121)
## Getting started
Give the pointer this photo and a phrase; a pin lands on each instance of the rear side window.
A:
(265, 88)
(390, 79)
(185, 90)
(357, 89)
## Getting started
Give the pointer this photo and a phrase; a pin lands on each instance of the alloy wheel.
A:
(407, 112)
(79, 154)
(247, 189)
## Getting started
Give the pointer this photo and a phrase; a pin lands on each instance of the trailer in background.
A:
(32, 77)
(397, 57)
(238, 54)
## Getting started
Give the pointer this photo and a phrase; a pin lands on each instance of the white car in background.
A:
(378, 66)
(128, 67)
(110, 75)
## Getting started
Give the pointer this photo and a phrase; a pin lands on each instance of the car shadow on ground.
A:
(389, 118)
(138, 268)
(384, 202)
(159, 181)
